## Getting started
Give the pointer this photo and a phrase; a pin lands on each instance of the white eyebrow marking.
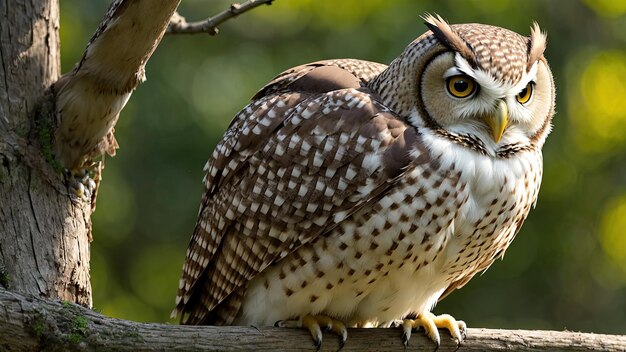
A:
(452, 71)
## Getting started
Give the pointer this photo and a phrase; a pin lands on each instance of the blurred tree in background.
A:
(566, 268)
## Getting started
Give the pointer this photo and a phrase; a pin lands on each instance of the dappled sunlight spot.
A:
(612, 236)
(603, 87)
(607, 8)
(598, 105)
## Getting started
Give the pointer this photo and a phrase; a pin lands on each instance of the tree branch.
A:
(178, 24)
(91, 96)
(29, 324)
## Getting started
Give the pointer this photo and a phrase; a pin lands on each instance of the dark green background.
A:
(566, 269)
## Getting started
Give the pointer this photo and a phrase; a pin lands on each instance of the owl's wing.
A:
(293, 164)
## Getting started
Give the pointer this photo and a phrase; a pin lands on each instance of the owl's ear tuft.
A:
(444, 33)
(536, 44)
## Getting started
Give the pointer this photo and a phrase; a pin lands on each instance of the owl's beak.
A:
(498, 120)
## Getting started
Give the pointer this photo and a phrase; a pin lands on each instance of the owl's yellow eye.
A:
(524, 96)
(461, 86)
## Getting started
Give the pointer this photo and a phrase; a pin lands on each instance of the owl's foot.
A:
(315, 324)
(431, 323)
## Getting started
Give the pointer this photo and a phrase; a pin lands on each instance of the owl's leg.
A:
(315, 324)
(431, 323)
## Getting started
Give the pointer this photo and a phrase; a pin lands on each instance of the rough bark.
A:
(31, 324)
(44, 235)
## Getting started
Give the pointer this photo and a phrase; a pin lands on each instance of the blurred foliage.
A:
(566, 269)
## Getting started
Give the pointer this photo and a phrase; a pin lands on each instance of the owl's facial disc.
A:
(465, 100)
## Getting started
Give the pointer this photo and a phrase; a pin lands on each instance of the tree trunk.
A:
(44, 234)
(45, 227)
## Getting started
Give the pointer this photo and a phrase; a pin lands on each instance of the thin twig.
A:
(179, 25)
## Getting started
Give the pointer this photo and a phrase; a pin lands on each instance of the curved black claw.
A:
(463, 331)
(309, 322)
(318, 344)
(342, 343)
(316, 324)
(430, 323)
(405, 340)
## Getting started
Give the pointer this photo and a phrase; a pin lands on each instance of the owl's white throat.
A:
(476, 136)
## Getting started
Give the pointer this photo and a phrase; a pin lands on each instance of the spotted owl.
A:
(351, 193)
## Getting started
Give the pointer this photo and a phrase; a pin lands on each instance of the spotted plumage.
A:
(365, 193)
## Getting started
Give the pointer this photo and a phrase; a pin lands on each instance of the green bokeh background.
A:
(567, 267)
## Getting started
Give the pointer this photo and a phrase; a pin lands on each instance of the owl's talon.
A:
(463, 329)
(339, 328)
(431, 323)
(315, 323)
(454, 326)
(310, 322)
(407, 326)
(318, 344)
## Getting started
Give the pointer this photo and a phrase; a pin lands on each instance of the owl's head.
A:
(484, 86)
